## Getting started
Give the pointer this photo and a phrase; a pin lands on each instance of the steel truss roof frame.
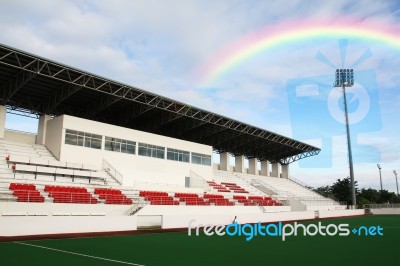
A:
(43, 86)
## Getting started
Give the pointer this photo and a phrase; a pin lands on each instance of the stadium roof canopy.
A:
(41, 86)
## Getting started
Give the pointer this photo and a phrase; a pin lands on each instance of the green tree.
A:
(341, 190)
(324, 191)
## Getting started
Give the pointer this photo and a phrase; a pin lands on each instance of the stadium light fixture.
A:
(380, 175)
(345, 78)
(397, 184)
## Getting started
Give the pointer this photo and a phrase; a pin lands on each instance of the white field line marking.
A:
(79, 254)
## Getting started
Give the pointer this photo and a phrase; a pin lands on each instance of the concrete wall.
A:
(19, 219)
(326, 207)
(23, 137)
(181, 221)
(339, 213)
(42, 128)
(18, 208)
(43, 225)
(55, 136)
(386, 211)
(134, 168)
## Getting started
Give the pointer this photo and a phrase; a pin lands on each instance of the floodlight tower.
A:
(397, 185)
(380, 175)
(345, 78)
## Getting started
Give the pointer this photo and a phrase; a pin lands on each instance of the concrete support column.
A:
(265, 168)
(3, 114)
(253, 166)
(41, 135)
(239, 164)
(275, 170)
(285, 171)
(224, 161)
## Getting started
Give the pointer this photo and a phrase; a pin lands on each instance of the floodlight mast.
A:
(345, 78)
(380, 175)
(397, 184)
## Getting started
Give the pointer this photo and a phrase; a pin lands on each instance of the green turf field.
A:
(180, 249)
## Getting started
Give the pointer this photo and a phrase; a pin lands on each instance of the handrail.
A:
(138, 183)
(286, 194)
(202, 180)
(306, 186)
(299, 182)
(381, 206)
(135, 207)
(19, 131)
(113, 172)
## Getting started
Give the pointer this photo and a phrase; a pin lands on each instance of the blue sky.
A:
(159, 46)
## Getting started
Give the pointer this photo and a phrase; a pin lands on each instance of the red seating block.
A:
(26, 192)
(112, 196)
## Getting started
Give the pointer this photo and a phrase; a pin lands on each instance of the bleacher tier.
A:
(62, 194)
(26, 192)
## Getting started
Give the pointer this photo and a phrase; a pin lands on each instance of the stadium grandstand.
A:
(110, 157)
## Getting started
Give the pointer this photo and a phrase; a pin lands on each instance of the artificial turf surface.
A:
(180, 249)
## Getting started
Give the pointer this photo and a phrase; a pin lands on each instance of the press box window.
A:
(119, 145)
(178, 155)
(83, 139)
(151, 150)
(203, 159)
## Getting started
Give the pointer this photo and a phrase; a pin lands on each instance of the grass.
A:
(180, 249)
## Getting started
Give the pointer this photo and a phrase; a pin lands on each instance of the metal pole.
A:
(353, 189)
(380, 175)
(345, 78)
(397, 185)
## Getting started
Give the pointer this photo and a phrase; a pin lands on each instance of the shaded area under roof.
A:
(41, 86)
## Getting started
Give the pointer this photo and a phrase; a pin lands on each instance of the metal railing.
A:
(114, 173)
(20, 131)
(381, 206)
(136, 206)
(24, 196)
(282, 195)
(155, 184)
(299, 182)
(319, 202)
(310, 188)
(199, 181)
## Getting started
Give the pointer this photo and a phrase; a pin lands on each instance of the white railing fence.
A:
(113, 172)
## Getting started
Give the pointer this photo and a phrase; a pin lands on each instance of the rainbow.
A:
(287, 33)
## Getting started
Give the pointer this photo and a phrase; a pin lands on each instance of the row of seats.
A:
(221, 202)
(228, 184)
(17, 186)
(153, 193)
(257, 200)
(227, 187)
(49, 188)
(191, 199)
(158, 198)
(112, 196)
(26, 192)
(186, 195)
(63, 194)
(213, 196)
(66, 194)
(161, 200)
(107, 191)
